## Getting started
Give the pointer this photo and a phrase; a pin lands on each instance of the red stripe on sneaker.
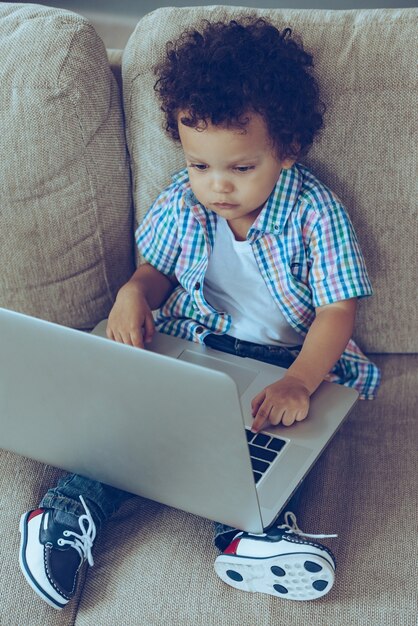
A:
(35, 513)
(232, 548)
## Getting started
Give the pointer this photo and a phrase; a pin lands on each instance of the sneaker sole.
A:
(25, 569)
(301, 576)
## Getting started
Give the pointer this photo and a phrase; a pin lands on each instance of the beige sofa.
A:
(68, 206)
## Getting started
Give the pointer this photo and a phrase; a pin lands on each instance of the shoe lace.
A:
(291, 526)
(84, 542)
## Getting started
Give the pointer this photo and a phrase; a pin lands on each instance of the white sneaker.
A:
(282, 562)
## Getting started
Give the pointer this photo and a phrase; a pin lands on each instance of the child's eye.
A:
(244, 168)
(199, 166)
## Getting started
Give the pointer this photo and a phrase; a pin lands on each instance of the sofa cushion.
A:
(366, 65)
(66, 217)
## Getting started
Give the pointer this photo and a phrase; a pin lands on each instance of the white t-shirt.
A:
(233, 284)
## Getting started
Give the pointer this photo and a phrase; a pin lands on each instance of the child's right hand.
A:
(130, 320)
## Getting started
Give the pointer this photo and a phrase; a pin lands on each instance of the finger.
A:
(261, 418)
(288, 418)
(276, 415)
(136, 339)
(109, 333)
(124, 338)
(117, 337)
(149, 328)
(301, 415)
(256, 402)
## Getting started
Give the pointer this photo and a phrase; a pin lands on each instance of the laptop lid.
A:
(171, 429)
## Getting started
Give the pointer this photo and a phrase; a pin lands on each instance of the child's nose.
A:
(221, 184)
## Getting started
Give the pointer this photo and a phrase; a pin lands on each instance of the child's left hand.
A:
(286, 402)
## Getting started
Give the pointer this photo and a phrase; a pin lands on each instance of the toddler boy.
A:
(247, 252)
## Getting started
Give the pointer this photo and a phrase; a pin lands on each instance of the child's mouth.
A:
(225, 205)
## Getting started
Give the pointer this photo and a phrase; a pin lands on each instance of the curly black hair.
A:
(226, 70)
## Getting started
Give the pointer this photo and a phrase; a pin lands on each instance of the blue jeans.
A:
(103, 500)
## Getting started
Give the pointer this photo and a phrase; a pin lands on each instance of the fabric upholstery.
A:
(366, 64)
(66, 219)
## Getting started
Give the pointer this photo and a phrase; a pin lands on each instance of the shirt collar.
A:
(276, 211)
(182, 178)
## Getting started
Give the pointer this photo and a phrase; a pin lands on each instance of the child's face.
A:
(232, 172)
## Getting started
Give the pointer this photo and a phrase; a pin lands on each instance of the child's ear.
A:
(288, 162)
(290, 159)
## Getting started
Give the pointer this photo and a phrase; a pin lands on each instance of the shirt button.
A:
(197, 285)
(199, 330)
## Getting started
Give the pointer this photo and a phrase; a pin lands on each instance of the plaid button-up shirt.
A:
(306, 251)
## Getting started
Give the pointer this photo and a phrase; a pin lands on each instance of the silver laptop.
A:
(167, 423)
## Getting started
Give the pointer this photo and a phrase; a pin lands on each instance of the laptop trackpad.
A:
(243, 376)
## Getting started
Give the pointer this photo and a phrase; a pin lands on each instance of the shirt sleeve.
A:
(157, 235)
(338, 270)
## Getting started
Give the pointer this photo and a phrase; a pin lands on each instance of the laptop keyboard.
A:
(264, 449)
